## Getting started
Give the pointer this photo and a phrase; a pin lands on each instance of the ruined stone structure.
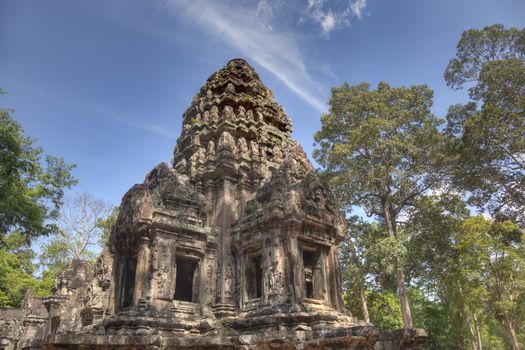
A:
(234, 246)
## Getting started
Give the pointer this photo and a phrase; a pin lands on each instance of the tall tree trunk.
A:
(364, 305)
(478, 333)
(467, 319)
(401, 288)
(512, 332)
(403, 298)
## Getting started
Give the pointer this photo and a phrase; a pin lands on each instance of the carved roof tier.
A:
(234, 131)
(236, 113)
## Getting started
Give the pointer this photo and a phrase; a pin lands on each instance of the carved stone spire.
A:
(233, 110)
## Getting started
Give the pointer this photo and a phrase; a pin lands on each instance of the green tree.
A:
(31, 184)
(433, 226)
(489, 152)
(364, 264)
(494, 254)
(385, 309)
(472, 267)
(380, 150)
(17, 271)
(353, 277)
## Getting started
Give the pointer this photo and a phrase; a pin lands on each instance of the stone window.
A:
(128, 281)
(184, 290)
(314, 281)
(253, 277)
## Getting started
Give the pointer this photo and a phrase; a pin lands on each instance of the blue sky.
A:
(104, 83)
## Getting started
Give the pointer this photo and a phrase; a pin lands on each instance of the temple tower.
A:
(232, 246)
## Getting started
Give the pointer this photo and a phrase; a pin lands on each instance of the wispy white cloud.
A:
(331, 15)
(268, 9)
(242, 29)
(358, 7)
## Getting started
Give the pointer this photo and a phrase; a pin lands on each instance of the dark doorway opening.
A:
(184, 279)
(130, 267)
(254, 277)
(313, 274)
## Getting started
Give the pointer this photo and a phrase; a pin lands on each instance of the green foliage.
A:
(368, 254)
(55, 254)
(385, 140)
(488, 155)
(46, 282)
(477, 47)
(385, 311)
(14, 281)
(31, 184)
(384, 308)
(106, 225)
(432, 225)
(16, 270)
(496, 252)
(382, 150)
(435, 317)
(487, 163)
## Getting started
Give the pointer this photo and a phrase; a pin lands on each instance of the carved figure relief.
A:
(227, 142)
(230, 88)
(164, 263)
(211, 149)
(254, 149)
(242, 112)
(242, 146)
(277, 154)
(214, 114)
(228, 114)
(249, 116)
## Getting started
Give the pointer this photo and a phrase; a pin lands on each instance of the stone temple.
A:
(233, 246)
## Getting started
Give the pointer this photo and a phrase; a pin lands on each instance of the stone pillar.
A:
(207, 280)
(274, 267)
(295, 267)
(162, 284)
(226, 290)
(141, 292)
(224, 217)
(118, 268)
(338, 287)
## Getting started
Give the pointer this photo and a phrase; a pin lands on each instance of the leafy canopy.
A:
(380, 145)
(31, 184)
(17, 271)
(489, 154)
